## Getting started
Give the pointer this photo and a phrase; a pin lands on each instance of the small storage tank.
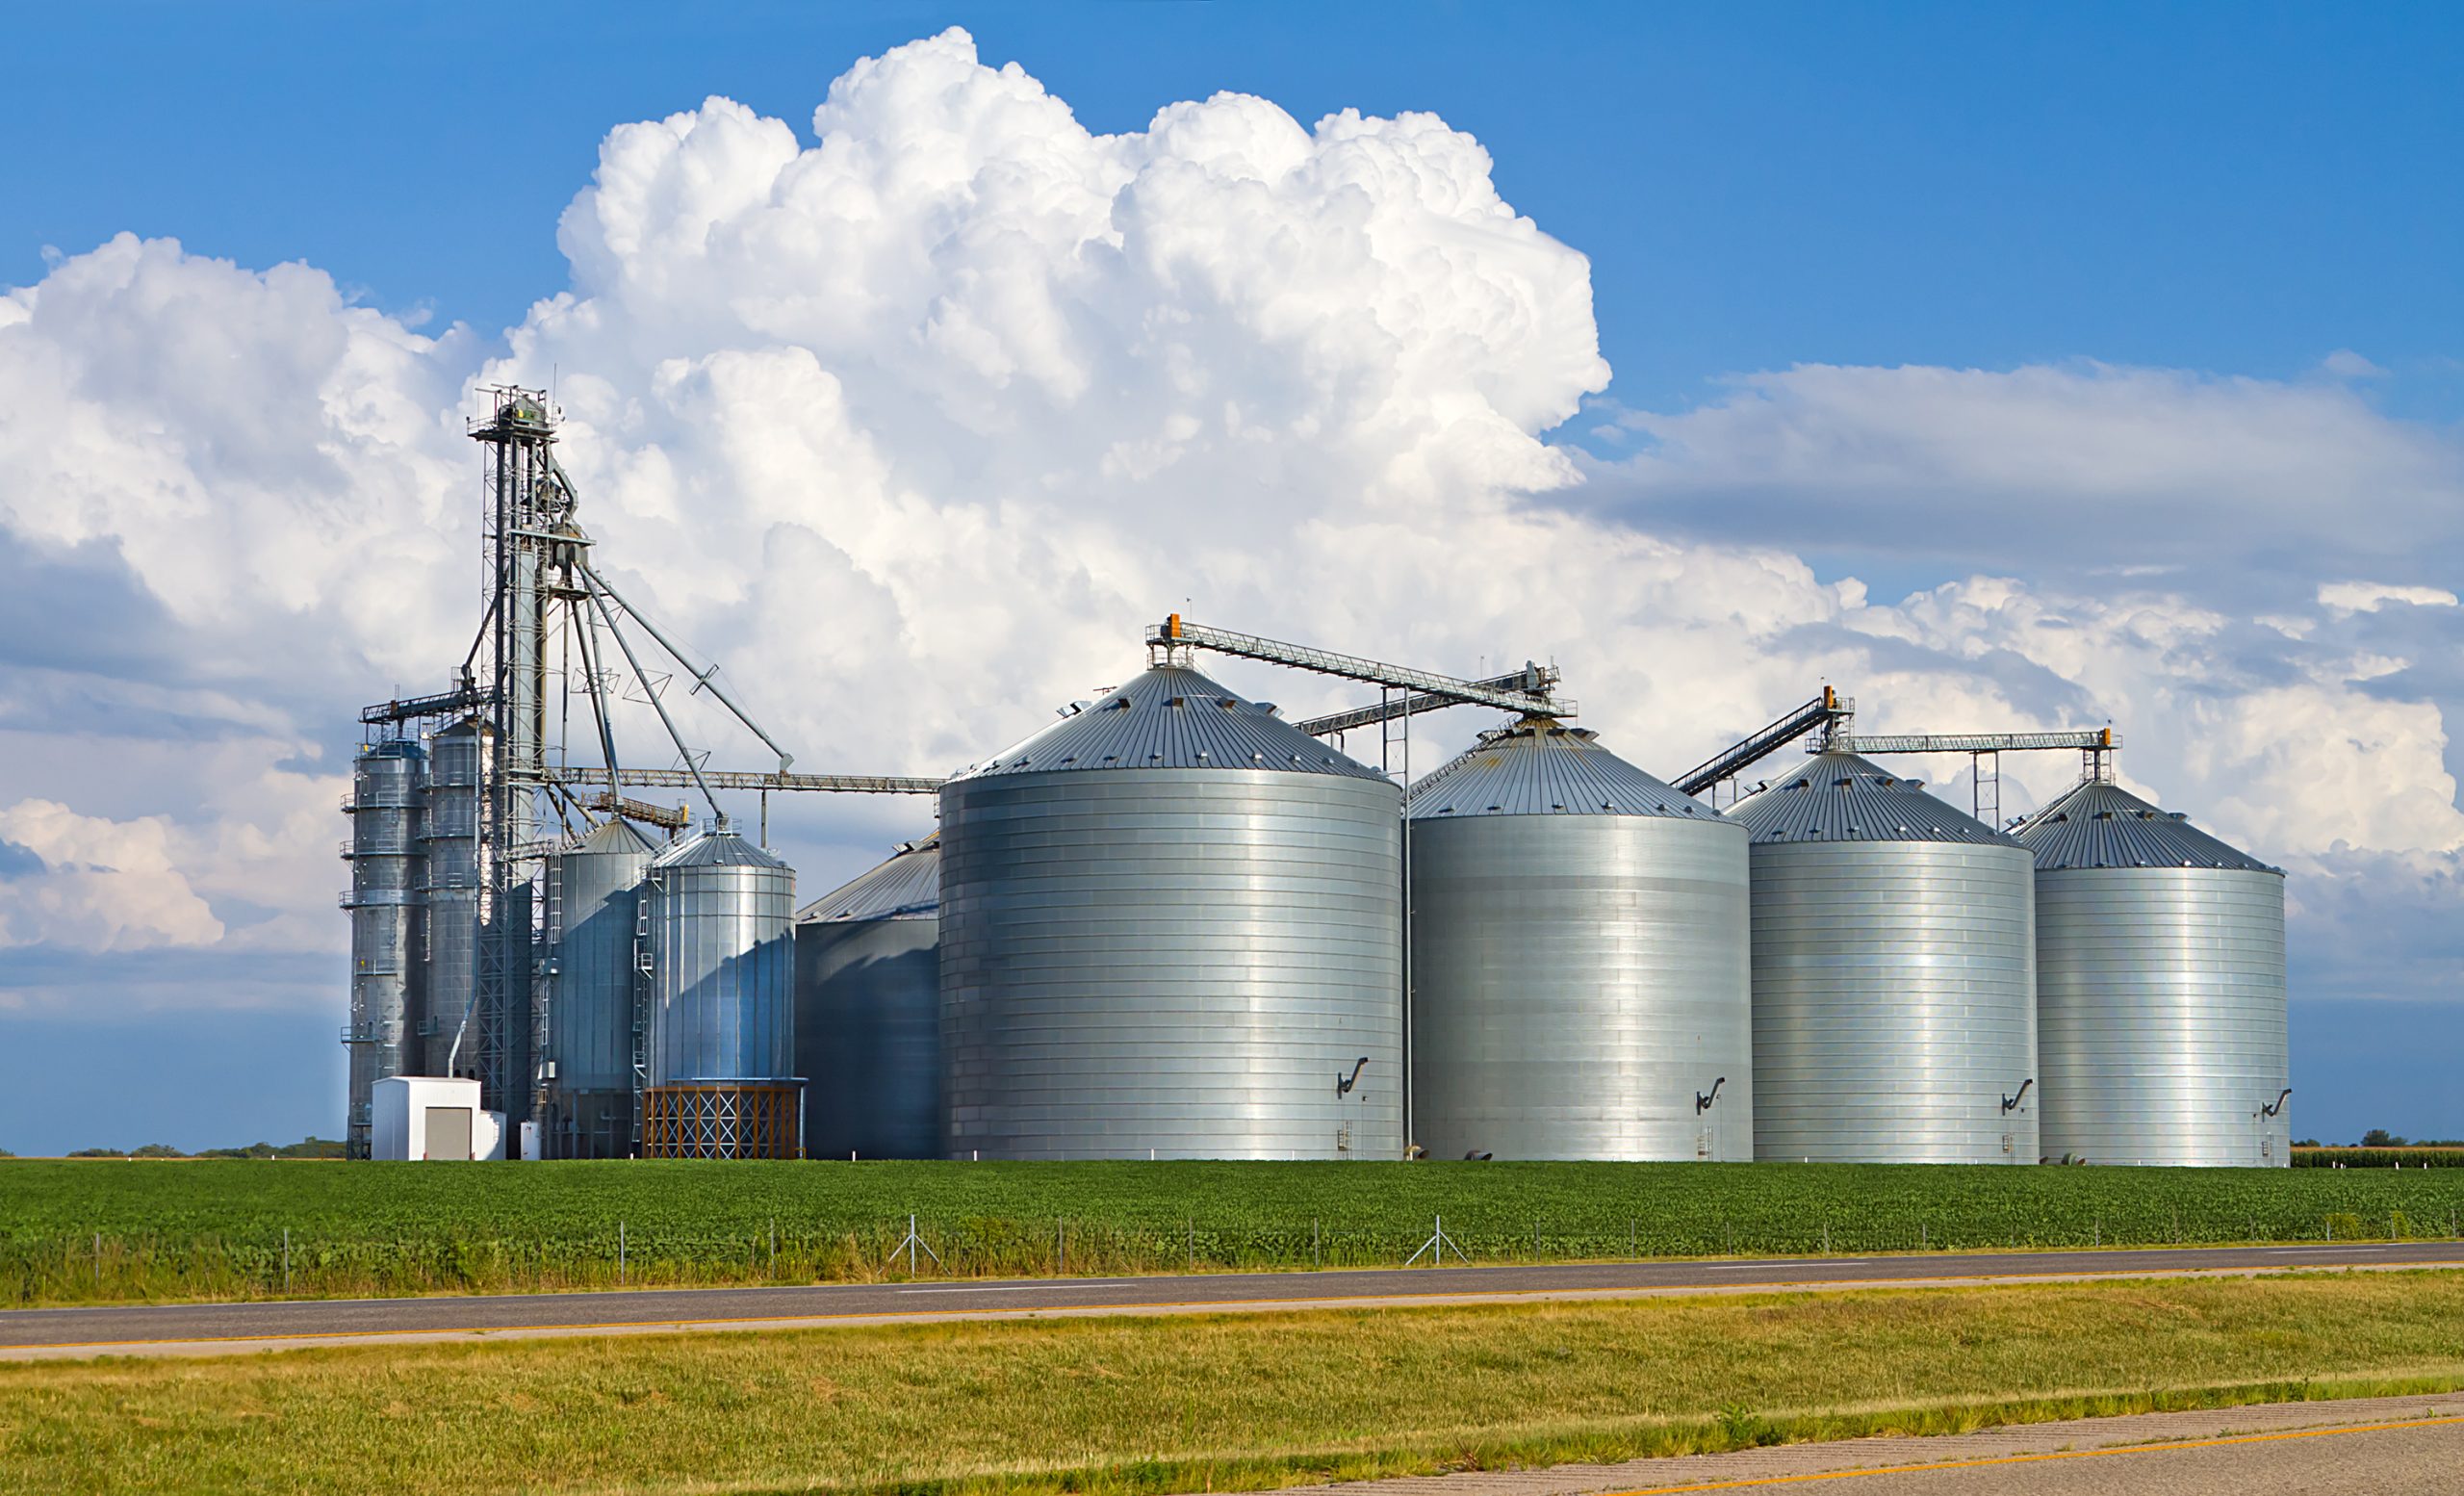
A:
(868, 1011)
(2159, 988)
(1172, 922)
(1580, 967)
(387, 858)
(450, 834)
(719, 912)
(594, 1039)
(1894, 974)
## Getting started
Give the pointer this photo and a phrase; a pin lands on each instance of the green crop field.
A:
(119, 1229)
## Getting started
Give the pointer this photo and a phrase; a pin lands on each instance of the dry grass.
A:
(1219, 1404)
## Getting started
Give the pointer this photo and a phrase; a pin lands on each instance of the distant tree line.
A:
(306, 1148)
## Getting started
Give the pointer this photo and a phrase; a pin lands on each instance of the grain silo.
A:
(388, 785)
(719, 914)
(449, 836)
(2159, 988)
(1172, 923)
(868, 1011)
(594, 1033)
(1580, 970)
(1894, 987)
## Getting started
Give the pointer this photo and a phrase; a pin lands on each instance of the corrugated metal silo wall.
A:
(451, 971)
(1895, 1002)
(1578, 982)
(722, 993)
(2161, 1005)
(595, 894)
(868, 1036)
(386, 872)
(1175, 960)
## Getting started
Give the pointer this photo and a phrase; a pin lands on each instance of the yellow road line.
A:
(1435, 1299)
(2030, 1459)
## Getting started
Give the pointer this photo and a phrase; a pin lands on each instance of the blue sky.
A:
(2240, 199)
(2242, 188)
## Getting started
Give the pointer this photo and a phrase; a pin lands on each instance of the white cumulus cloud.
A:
(916, 419)
(100, 884)
(2369, 597)
(2075, 465)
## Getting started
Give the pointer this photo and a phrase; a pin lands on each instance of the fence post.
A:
(620, 1249)
(1192, 1242)
(1059, 1247)
(1315, 1261)
(98, 1259)
(1629, 1237)
(286, 1259)
(774, 1245)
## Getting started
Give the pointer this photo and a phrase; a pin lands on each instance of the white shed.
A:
(432, 1117)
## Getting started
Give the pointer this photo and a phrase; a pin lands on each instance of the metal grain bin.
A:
(868, 1011)
(388, 785)
(594, 906)
(2159, 988)
(450, 834)
(1172, 922)
(1579, 968)
(719, 912)
(1894, 974)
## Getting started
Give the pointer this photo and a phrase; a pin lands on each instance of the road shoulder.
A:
(2014, 1443)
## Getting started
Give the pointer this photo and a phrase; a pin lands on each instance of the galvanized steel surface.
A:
(449, 833)
(1841, 797)
(722, 979)
(2099, 824)
(907, 884)
(387, 781)
(1538, 768)
(1580, 974)
(868, 1011)
(1894, 986)
(594, 891)
(1182, 960)
(1172, 717)
(2161, 989)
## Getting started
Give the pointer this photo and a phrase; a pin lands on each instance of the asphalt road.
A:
(199, 1328)
(2407, 1445)
(2420, 1459)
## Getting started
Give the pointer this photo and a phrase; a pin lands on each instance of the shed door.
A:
(449, 1132)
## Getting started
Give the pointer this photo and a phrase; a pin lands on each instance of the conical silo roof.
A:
(1841, 797)
(615, 835)
(1172, 717)
(2099, 824)
(715, 849)
(906, 887)
(1539, 767)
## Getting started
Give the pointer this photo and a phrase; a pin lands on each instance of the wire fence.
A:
(278, 1261)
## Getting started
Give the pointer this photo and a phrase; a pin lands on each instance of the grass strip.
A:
(1112, 1408)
